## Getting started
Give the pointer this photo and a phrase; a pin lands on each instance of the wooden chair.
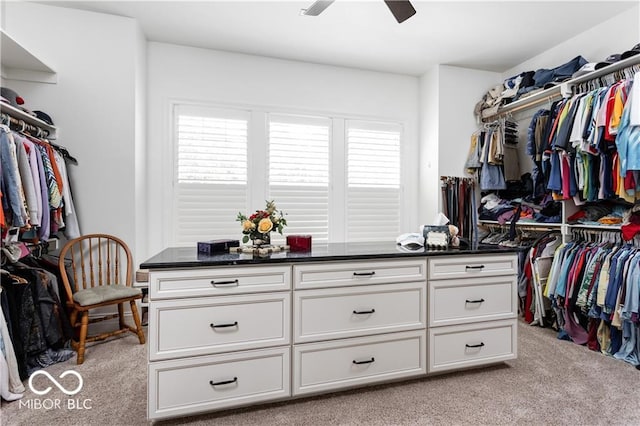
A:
(96, 271)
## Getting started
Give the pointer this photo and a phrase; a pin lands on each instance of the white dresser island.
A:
(233, 330)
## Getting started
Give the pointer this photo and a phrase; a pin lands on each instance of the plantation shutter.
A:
(373, 181)
(299, 173)
(211, 173)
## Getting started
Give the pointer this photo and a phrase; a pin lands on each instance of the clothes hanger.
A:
(64, 152)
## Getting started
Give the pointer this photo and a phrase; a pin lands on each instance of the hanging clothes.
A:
(592, 152)
(594, 288)
(459, 204)
(37, 318)
(34, 188)
(491, 173)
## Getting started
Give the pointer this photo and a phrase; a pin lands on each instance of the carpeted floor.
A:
(552, 382)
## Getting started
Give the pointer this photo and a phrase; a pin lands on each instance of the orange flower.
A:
(247, 225)
(265, 225)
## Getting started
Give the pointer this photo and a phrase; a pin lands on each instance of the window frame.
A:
(257, 164)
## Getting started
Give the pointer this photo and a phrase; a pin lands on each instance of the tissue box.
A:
(216, 246)
(299, 242)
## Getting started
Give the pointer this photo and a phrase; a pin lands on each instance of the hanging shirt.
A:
(55, 198)
(628, 139)
(11, 177)
(634, 114)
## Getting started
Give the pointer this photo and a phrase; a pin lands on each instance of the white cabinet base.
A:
(460, 346)
(195, 385)
(340, 364)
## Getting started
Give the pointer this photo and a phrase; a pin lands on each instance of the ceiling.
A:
(493, 36)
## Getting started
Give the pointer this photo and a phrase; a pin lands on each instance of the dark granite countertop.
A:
(187, 257)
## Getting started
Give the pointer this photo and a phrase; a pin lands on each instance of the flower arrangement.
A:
(259, 225)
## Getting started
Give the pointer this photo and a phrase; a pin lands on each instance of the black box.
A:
(216, 246)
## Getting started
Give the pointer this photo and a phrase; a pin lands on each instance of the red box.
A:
(299, 242)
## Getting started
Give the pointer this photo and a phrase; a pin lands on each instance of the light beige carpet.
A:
(552, 382)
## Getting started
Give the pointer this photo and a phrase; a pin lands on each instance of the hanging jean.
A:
(491, 176)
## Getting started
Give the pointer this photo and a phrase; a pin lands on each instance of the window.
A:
(373, 180)
(211, 172)
(336, 179)
(299, 173)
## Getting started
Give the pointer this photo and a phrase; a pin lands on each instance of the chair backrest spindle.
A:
(99, 261)
(117, 265)
(73, 269)
(108, 270)
(91, 269)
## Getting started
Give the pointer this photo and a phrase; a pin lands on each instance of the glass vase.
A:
(261, 240)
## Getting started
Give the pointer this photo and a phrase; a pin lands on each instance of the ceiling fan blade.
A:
(401, 9)
(317, 7)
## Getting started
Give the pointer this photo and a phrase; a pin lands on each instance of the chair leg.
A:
(74, 329)
(121, 316)
(83, 335)
(136, 319)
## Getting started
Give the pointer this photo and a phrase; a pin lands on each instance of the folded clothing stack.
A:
(631, 226)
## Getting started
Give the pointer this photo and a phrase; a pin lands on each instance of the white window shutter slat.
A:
(299, 173)
(211, 173)
(373, 181)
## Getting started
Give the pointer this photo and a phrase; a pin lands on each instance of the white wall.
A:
(209, 76)
(460, 90)
(614, 35)
(95, 105)
(429, 145)
(448, 96)
(141, 201)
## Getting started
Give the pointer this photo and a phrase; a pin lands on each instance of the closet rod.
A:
(556, 92)
(552, 97)
(21, 125)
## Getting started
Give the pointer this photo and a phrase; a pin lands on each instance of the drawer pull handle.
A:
(364, 312)
(475, 267)
(225, 283)
(481, 344)
(474, 301)
(233, 324)
(369, 361)
(224, 382)
(364, 274)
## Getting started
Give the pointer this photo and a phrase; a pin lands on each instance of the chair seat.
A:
(104, 293)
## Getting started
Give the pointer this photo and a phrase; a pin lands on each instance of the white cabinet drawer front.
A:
(472, 266)
(318, 275)
(472, 300)
(222, 324)
(219, 281)
(462, 346)
(357, 311)
(181, 387)
(351, 362)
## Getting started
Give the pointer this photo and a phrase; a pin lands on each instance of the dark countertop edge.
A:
(266, 260)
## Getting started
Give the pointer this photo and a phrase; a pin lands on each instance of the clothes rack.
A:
(566, 88)
(458, 204)
(22, 126)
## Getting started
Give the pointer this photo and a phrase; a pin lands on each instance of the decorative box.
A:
(299, 242)
(216, 246)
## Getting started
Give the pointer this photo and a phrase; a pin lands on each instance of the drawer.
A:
(219, 281)
(319, 275)
(351, 362)
(472, 266)
(460, 346)
(185, 387)
(472, 300)
(190, 327)
(358, 311)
